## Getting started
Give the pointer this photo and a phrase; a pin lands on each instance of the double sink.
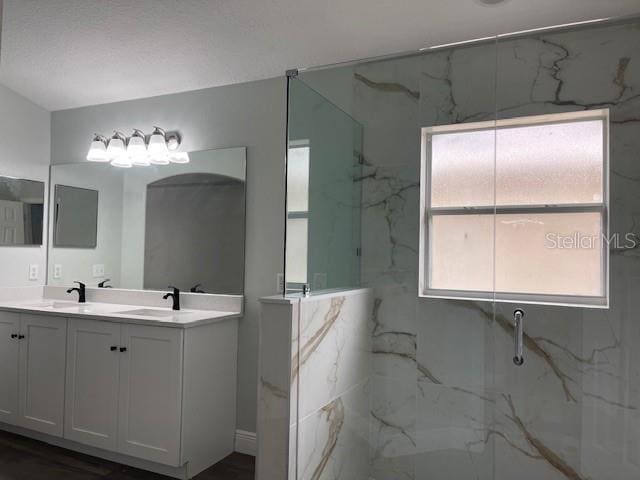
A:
(75, 307)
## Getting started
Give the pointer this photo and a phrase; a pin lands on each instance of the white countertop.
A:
(113, 312)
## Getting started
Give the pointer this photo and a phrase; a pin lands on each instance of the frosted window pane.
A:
(298, 179)
(461, 252)
(297, 244)
(462, 169)
(552, 253)
(550, 164)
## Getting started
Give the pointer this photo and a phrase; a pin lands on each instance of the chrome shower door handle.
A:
(518, 332)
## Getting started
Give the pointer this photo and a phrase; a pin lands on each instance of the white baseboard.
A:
(245, 442)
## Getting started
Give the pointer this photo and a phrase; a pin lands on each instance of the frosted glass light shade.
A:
(123, 161)
(97, 152)
(140, 161)
(157, 145)
(159, 159)
(116, 148)
(179, 157)
(136, 147)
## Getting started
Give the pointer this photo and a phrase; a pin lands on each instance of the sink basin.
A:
(151, 312)
(78, 308)
(56, 304)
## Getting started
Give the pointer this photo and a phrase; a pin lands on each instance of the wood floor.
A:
(24, 459)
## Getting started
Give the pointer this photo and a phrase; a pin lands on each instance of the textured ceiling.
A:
(69, 53)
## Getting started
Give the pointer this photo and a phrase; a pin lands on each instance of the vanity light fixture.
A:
(159, 148)
(98, 149)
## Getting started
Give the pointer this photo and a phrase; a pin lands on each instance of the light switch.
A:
(33, 272)
(57, 271)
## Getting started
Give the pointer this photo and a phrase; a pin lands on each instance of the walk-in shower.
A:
(502, 338)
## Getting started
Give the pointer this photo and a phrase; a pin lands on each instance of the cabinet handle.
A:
(113, 348)
(20, 337)
(14, 335)
(123, 349)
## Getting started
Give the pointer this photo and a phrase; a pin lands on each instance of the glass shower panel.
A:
(323, 194)
(571, 410)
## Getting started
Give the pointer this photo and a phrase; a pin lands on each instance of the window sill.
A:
(519, 298)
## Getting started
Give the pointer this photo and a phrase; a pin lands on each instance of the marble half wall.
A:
(314, 386)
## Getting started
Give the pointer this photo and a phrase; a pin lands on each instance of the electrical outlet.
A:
(280, 283)
(57, 271)
(98, 270)
(33, 272)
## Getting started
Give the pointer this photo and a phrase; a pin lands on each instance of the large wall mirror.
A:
(179, 224)
(21, 211)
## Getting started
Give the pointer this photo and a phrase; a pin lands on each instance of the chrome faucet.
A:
(81, 291)
(175, 295)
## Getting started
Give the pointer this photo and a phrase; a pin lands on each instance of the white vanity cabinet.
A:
(9, 352)
(156, 396)
(93, 363)
(124, 388)
(32, 371)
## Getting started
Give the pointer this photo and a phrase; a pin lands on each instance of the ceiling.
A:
(69, 53)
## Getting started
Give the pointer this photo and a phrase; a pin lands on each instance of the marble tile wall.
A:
(314, 391)
(446, 400)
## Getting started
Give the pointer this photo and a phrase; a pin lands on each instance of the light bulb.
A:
(157, 144)
(116, 147)
(98, 149)
(179, 157)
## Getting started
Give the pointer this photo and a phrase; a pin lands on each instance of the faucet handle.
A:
(102, 283)
(80, 284)
(175, 289)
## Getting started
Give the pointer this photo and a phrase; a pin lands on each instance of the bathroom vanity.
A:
(126, 368)
(136, 383)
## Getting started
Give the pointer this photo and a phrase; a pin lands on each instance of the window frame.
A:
(427, 212)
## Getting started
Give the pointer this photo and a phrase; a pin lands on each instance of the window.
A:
(516, 210)
(297, 213)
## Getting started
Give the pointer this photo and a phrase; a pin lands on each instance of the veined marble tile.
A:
(335, 348)
(387, 102)
(453, 433)
(390, 218)
(393, 427)
(458, 85)
(334, 441)
(455, 343)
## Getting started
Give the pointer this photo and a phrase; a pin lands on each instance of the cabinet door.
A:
(91, 404)
(9, 329)
(42, 370)
(150, 393)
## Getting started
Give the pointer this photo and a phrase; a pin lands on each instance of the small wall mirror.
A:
(75, 217)
(21, 211)
(154, 226)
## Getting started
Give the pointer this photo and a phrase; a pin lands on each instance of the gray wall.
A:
(24, 153)
(250, 114)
